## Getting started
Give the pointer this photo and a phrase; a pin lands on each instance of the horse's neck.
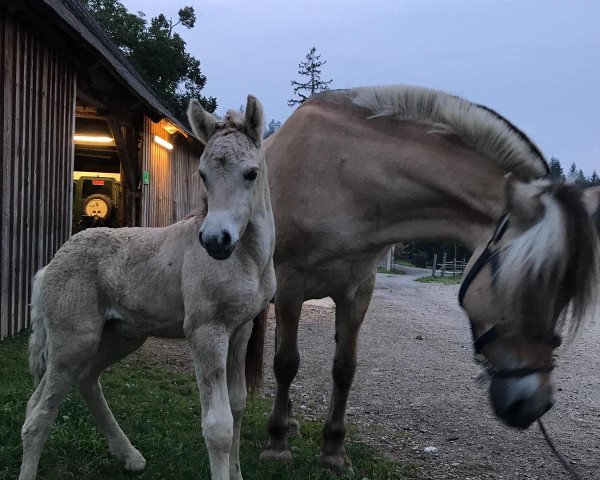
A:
(442, 211)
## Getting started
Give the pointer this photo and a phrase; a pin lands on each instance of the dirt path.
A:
(415, 387)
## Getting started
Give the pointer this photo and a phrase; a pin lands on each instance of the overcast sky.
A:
(535, 62)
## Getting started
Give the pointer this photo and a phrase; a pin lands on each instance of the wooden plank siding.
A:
(37, 120)
(175, 188)
(188, 189)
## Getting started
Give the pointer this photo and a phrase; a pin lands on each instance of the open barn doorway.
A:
(99, 183)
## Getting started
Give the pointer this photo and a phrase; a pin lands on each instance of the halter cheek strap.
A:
(487, 255)
(484, 258)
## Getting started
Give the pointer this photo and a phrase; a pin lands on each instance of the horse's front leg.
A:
(209, 345)
(349, 314)
(236, 384)
(288, 306)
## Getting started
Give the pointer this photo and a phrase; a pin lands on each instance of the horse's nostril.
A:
(225, 238)
(200, 238)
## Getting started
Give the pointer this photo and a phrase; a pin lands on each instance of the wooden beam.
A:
(121, 144)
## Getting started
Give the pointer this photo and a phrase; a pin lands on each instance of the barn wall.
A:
(157, 199)
(175, 186)
(188, 189)
(37, 119)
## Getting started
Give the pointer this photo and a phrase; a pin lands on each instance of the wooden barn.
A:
(84, 142)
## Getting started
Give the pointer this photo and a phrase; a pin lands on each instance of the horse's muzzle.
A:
(218, 245)
(520, 401)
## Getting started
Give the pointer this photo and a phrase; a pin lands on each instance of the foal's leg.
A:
(349, 314)
(209, 346)
(68, 352)
(38, 422)
(113, 348)
(236, 385)
(288, 306)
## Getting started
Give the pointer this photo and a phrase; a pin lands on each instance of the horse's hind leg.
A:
(67, 355)
(40, 418)
(113, 348)
(349, 314)
(236, 386)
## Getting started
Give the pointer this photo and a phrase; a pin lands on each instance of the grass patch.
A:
(160, 412)
(390, 272)
(443, 280)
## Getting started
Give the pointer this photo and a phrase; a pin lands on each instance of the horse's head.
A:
(534, 282)
(229, 167)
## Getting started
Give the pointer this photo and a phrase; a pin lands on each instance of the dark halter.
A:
(487, 255)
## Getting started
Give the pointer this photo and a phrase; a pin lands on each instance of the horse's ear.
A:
(522, 200)
(202, 122)
(591, 200)
(254, 122)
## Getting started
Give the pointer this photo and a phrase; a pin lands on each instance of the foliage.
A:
(160, 412)
(443, 280)
(556, 170)
(157, 52)
(272, 127)
(311, 68)
(574, 174)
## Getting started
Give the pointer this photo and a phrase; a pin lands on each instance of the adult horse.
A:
(354, 171)
(106, 290)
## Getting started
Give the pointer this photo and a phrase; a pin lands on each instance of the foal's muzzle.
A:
(218, 243)
(520, 401)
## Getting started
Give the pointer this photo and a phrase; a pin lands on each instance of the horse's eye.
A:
(203, 177)
(251, 175)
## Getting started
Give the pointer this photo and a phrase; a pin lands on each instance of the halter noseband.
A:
(487, 255)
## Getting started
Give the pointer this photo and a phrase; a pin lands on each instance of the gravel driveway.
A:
(415, 388)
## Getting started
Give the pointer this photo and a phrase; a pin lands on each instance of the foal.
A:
(107, 290)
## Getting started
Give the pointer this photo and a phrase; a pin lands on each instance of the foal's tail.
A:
(255, 351)
(38, 343)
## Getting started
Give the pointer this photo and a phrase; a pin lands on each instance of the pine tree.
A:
(556, 170)
(272, 127)
(572, 175)
(580, 179)
(310, 68)
(594, 180)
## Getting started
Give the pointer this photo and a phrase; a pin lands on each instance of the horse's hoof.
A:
(339, 464)
(135, 461)
(280, 456)
(293, 428)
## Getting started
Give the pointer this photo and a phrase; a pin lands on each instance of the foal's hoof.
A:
(339, 464)
(273, 455)
(134, 461)
(293, 428)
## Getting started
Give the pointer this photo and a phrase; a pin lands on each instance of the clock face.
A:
(96, 208)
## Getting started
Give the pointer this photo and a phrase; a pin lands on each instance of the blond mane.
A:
(475, 125)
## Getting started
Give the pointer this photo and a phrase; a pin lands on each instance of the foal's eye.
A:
(251, 175)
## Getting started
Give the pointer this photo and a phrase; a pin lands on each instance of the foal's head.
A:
(535, 281)
(230, 166)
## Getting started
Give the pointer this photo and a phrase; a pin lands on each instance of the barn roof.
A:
(82, 26)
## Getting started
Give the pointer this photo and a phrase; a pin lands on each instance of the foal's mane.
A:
(477, 126)
(549, 275)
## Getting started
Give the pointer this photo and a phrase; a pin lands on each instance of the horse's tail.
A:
(255, 351)
(38, 342)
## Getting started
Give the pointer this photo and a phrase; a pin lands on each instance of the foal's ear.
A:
(591, 200)
(202, 122)
(523, 200)
(254, 122)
